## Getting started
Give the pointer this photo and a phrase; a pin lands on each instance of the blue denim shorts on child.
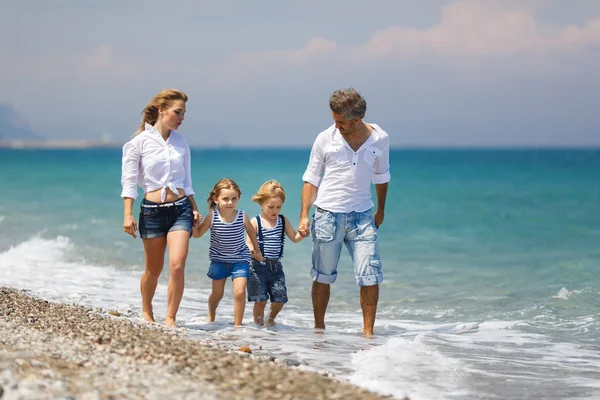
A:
(358, 232)
(267, 282)
(157, 219)
(219, 270)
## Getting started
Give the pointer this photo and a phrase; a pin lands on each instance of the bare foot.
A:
(271, 322)
(148, 316)
(209, 320)
(170, 322)
(259, 321)
(368, 334)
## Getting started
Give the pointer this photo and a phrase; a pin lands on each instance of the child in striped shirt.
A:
(228, 253)
(267, 280)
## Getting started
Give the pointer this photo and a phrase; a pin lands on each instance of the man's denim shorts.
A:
(158, 219)
(358, 232)
(219, 270)
(267, 282)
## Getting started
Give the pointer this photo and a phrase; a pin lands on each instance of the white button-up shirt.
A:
(343, 176)
(154, 163)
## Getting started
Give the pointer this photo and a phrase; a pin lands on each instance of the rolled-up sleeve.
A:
(314, 170)
(381, 170)
(129, 170)
(187, 181)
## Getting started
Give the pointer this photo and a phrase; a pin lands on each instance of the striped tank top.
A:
(228, 240)
(271, 240)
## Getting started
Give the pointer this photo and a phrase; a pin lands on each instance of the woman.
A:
(158, 160)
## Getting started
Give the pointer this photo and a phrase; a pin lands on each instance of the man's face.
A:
(345, 125)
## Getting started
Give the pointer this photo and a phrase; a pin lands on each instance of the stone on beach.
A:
(50, 350)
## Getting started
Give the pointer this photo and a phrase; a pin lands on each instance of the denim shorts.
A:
(267, 282)
(358, 232)
(219, 270)
(158, 219)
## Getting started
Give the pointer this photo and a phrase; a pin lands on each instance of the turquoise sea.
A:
(491, 266)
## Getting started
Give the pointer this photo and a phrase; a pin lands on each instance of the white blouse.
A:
(154, 163)
(343, 176)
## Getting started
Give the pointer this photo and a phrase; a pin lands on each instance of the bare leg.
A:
(259, 312)
(218, 287)
(154, 252)
(369, 296)
(178, 242)
(239, 300)
(320, 299)
(275, 309)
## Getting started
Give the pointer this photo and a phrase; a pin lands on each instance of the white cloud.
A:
(470, 27)
(102, 63)
(466, 28)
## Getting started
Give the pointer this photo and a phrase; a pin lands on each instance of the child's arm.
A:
(291, 232)
(204, 226)
(248, 241)
(251, 234)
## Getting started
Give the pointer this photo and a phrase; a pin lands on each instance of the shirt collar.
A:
(338, 138)
(155, 134)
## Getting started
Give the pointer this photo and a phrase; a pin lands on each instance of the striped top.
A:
(227, 240)
(273, 238)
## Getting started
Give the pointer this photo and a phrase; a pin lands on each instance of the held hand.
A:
(197, 218)
(303, 227)
(129, 226)
(378, 218)
(256, 254)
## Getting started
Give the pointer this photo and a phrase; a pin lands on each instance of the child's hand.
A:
(256, 254)
(197, 218)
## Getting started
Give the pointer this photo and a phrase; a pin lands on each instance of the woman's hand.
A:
(129, 226)
(197, 218)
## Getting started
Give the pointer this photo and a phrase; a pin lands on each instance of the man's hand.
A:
(303, 227)
(378, 218)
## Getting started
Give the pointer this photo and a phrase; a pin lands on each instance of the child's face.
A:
(272, 207)
(227, 199)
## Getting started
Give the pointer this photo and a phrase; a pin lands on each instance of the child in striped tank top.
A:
(228, 253)
(267, 280)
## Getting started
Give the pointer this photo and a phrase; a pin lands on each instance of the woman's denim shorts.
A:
(158, 219)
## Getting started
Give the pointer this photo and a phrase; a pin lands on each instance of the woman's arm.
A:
(129, 174)
(195, 212)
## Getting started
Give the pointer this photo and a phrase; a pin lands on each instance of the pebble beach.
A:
(61, 351)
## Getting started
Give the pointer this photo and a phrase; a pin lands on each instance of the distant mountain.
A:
(14, 127)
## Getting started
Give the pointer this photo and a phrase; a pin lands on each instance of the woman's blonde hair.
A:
(224, 183)
(268, 190)
(163, 99)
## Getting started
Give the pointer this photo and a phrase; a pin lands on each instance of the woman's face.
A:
(173, 116)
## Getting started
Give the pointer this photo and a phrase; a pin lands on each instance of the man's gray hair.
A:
(349, 103)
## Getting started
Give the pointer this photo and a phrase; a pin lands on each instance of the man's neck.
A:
(359, 136)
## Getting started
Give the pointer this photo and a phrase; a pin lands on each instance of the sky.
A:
(435, 73)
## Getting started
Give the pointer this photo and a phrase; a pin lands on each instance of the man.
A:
(345, 159)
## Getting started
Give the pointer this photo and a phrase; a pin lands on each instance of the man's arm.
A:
(381, 192)
(308, 196)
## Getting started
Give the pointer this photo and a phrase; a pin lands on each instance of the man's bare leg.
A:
(369, 296)
(320, 299)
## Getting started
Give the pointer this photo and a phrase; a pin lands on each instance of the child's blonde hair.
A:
(268, 190)
(224, 183)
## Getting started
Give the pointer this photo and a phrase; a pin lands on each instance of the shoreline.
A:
(50, 350)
